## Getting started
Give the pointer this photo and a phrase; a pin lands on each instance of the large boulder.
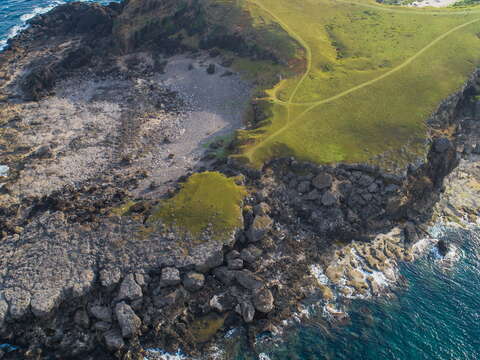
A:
(127, 319)
(260, 226)
(170, 277)
(246, 310)
(193, 281)
(263, 300)
(248, 280)
(209, 261)
(222, 302)
(225, 275)
(102, 313)
(329, 199)
(322, 181)
(109, 278)
(3, 311)
(45, 301)
(129, 289)
(19, 301)
(113, 340)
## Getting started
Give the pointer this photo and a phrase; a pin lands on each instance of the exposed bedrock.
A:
(78, 278)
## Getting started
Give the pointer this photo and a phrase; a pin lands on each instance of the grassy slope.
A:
(206, 200)
(375, 74)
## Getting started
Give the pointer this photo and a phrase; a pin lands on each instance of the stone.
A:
(81, 318)
(170, 277)
(222, 302)
(129, 289)
(235, 264)
(234, 254)
(127, 319)
(322, 181)
(441, 145)
(3, 310)
(373, 188)
(246, 310)
(261, 209)
(260, 226)
(365, 180)
(19, 301)
(110, 277)
(211, 69)
(410, 232)
(141, 279)
(248, 280)
(44, 302)
(101, 313)
(328, 199)
(113, 340)
(443, 247)
(193, 281)
(174, 297)
(303, 187)
(225, 275)
(102, 326)
(313, 195)
(263, 300)
(209, 261)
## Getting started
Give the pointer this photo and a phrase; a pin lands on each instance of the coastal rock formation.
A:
(97, 126)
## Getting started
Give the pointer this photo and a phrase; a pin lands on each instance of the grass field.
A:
(208, 201)
(373, 75)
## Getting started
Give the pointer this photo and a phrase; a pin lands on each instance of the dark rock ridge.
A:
(77, 281)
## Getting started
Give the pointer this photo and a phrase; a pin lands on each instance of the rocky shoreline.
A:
(81, 272)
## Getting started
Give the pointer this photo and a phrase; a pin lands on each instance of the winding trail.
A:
(418, 11)
(308, 50)
(302, 42)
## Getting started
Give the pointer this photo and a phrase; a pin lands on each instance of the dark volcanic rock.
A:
(263, 300)
(193, 281)
(129, 289)
(248, 280)
(260, 226)
(127, 319)
(322, 181)
(170, 277)
(113, 340)
(246, 310)
(443, 247)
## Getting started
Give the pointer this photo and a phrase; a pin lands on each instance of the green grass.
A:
(208, 201)
(374, 74)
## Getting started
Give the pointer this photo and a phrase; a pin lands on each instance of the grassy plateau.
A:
(374, 74)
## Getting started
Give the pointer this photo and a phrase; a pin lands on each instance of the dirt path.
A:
(315, 104)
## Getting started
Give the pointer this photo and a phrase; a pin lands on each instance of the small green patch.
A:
(208, 202)
(123, 209)
(205, 328)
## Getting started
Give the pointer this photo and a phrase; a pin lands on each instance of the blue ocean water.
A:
(435, 315)
(14, 14)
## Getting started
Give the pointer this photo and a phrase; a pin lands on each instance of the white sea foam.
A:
(16, 29)
(317, 271)
(4, 169)
(159, 354)
(263, 356)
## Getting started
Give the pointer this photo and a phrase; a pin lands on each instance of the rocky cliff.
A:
(83, 276)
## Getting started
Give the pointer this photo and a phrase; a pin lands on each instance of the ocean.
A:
(15, 13)
(434, 314)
